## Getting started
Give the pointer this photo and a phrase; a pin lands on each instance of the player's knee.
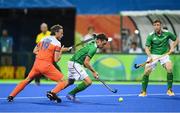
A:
(168, 67)
(71, 81)
(29, 80)
(169, 70)
(89, 82)
(147, 72)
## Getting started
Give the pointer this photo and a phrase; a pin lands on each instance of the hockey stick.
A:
(108, 87)
(88, 40)
(136, 66)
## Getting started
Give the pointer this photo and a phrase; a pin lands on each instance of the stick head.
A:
(115, 91)
(136, 66)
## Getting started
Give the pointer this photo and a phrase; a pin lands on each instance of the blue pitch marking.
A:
(95, 99)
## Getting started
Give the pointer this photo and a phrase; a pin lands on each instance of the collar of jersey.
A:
(54, 38)
(160, 34)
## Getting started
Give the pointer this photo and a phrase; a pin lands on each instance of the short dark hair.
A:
(101, 37)
(55, 29)
(157, 21)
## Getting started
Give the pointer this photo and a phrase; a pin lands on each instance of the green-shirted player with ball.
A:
(82, 59)
(158, 49)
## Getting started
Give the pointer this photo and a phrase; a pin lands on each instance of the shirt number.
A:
(46, 43)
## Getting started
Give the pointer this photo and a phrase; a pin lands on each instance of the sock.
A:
(145, 81)
(19, 88)
(60, 86)
(169, 80)
(82, 86)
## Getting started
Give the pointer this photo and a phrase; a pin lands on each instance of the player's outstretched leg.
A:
(18, 89)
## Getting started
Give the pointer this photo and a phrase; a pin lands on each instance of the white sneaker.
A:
(143, 94)
(170, 92)
(72, 98)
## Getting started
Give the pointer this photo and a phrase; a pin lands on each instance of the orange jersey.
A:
(47, 47)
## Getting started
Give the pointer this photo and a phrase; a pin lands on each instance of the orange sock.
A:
(59, 87)
(19, 88)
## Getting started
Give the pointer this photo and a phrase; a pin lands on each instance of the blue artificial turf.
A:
(95, 98)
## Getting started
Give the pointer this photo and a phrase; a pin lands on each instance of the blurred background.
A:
(24, 22)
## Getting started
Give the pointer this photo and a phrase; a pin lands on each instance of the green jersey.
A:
(88, 50)
(159, 44)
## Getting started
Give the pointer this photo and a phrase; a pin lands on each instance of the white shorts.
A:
(76, 71)
(157, 59)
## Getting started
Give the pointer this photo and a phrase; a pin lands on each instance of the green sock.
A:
(145, 81)
(169, 80)
(82, 86)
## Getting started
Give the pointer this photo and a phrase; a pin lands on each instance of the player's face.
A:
(59, 34)
(157, 27)
(101, 44)
(44, 28)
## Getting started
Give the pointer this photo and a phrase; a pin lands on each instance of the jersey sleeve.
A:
(172, 36)
(57, 48)
(148, 41)
(92, 52)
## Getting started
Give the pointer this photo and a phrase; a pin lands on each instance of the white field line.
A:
(93, 96)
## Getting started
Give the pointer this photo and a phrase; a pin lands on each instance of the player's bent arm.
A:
(147, 50)
(88, 65)
(174, 44)
(57, 56)
(65, 49)
(35, 50)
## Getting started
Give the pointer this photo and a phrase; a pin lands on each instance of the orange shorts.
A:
(45, 68)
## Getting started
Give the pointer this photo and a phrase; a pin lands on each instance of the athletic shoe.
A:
(143, 94)
(72, 98)
(10, 98)
(53, 97)
(170, 92)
